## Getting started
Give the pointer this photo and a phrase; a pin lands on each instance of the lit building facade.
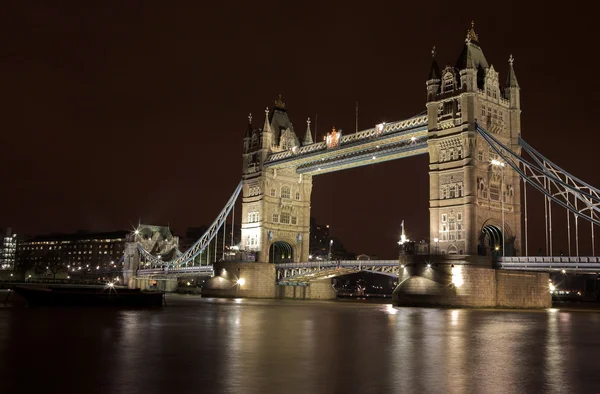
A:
(72, 253)
(8, 250)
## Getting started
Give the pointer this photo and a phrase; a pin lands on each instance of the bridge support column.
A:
(131, 263)
(241, 280)
(314, 290)
(468, 281)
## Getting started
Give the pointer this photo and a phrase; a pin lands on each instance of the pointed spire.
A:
(308, 136)
(279, 104)
(471, 35)
(434, 72)
(511, 81)
(267, 126)
(249, 128)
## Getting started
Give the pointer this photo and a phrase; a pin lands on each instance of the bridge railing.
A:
(338, 263)
(388, 128)
(180, 270)
(550, 259)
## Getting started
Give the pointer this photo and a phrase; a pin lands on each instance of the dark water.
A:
(199, 345)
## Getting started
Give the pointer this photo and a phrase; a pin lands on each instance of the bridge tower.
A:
(467, 192)
(275, 203)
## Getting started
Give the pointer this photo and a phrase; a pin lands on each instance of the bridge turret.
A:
(434, 79)
(473, 202)
(248, 134)
(512, 90)
(308, 136)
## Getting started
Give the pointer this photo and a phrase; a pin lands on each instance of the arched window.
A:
(285, 192)
(298, 196)
(285, 218)
(448, 82)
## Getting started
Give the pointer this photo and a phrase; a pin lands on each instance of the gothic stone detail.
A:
(463, 182)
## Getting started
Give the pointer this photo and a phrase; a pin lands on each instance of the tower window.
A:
(275, 218)
(285, 192)
(285, 218)
(444, 218)
(272, 192)
(294, 220)
(298, 196)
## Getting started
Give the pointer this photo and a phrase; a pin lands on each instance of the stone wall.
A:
(468, 283)
(258, 281)
(522, 289)
(316, 290)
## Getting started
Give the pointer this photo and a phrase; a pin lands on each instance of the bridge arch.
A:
(492, 240)
(281, 252)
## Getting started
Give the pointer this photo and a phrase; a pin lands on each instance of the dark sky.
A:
(122, 111)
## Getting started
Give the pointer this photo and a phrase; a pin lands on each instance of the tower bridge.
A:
(478, 182)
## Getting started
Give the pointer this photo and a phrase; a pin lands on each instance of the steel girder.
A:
(302, 273)
(571, 193)
(201, 244)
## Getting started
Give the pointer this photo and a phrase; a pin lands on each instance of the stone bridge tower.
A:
(275, 203)
(468, 192)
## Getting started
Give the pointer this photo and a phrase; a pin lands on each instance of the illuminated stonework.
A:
(467, 192)
(275, 201)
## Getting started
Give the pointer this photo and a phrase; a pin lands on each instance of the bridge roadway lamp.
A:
(498, 163)
(435, 241)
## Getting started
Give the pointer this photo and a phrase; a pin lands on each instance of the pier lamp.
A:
(241, 281)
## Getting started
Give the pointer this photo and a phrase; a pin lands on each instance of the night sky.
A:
(126, 111)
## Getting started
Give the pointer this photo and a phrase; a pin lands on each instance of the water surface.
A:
(197, 345)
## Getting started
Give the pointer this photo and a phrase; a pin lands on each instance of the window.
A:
(452, 191)
(285, 192)
(494, 191)
(275, 218)
(480, 155)
(460, 152)
(459, 190)
(483, 110)
(444, 228)
(272, 192)
(459, 226)
(252, 217)
(444, 192)
(444, 218)
(459, 217)
(298, 196)
(285, 218)
(294, 219)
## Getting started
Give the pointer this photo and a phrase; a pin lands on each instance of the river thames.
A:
(196, 345)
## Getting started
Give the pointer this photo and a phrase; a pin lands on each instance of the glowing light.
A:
(497, 247)
(457, 277)
(136, 232)
(310, 256)
(401, 265)
(428, 265)
(552, 288)
(374, 157)
(497, 163)
(564, 272)
(111, 285)
(241, 281)
(436, 240)
(413, 139)
(188, 283)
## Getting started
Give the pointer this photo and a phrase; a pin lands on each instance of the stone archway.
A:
(492, 240)
(281, 252)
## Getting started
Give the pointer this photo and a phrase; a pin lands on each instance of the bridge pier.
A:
(315, 290)
(468, 281)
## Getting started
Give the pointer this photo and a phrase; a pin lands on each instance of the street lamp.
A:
(436, 240)
(329, 254)
(500, 164)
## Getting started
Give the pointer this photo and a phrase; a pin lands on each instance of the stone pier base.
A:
(315, 290)
(461, 281)
(241, 280)
(164, 284)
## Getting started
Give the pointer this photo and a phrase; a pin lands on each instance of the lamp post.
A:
(436, 240)
(500, 164)
(329, 254)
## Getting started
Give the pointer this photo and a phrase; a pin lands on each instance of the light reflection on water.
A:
(269, 346)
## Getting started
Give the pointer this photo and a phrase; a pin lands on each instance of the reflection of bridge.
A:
(479, 180)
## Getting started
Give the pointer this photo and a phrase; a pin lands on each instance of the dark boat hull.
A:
(89, 297)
